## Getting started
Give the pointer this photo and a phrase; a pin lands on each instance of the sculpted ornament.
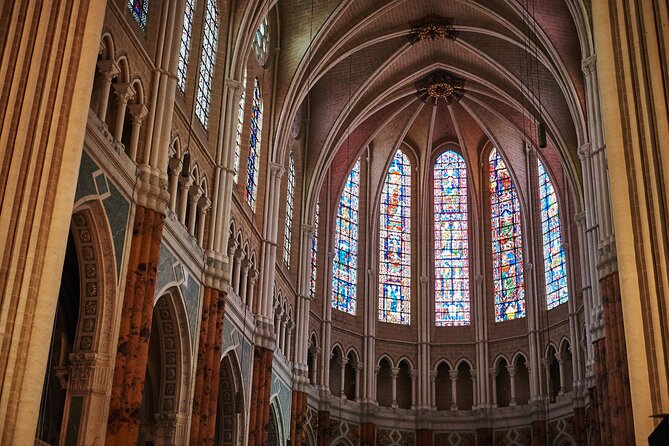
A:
(432, 27)
(440, 85)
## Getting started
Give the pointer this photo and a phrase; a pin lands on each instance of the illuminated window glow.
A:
(253, 166)
(451, 247)
(207, 62)
(395, 243)
(288, 222)
(507, 245)
(240, 129)
(344, 263)
(314, 253)
(184, 49)
(140, 10)
(555, 265)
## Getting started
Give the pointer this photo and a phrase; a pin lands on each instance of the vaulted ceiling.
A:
(520, 61)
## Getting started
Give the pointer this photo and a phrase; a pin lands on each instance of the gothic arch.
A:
(276, 434)
(229, 419)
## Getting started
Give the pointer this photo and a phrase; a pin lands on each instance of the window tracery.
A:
(207, 62)
(140, 11)
(451, 245)
(288, 222)
(395, 243)
(344, 263)
(507, 244)
(261, 41)
(184, 49)
(555, 267)
(240, 129)
(254, 146)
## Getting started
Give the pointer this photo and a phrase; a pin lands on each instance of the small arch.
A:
(443, 386)
(553, 384)
(502, 382)
(404, 384)
(387, 358)
(312, 357)
(350, 373)
(384, 382)
(522, 378)
(464, 385)
(567, 366)
(107, 47)
(336, 377)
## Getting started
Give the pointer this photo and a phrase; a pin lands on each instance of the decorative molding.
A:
(440, 84)
(432, 27)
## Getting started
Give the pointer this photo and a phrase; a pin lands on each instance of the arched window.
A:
(240, 128)
(555, 267)
(314, 252)
(395, 243)
(288, 221)
(261, 42)
(184, 49)
(140, 10)
(345, 262)
(507, 245)
(451, 247)
(254, 146)
(207, 61)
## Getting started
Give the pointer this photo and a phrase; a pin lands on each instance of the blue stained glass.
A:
(314, 252)
(207, 62)
(451, 246)
(288, 222)
(507, 245)
(240, 129)
(344, 263)
(254, 146)
(140, 10)
(395, 243)
(184, 49)
(555, 265)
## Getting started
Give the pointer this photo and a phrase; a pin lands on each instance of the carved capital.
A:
(124, 92)
(589, 64)
(108, 69)
(138, 112)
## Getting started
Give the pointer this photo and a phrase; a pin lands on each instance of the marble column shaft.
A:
(135, 330)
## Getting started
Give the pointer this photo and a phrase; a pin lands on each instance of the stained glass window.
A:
(555, 265)
(261, 42)
(184, 49)
(451, 246)
(314, 252)
(288, 221)
(207, 62)
(507, 245)
(140, 10)
(395, 243)
(240, 128)
(254, 146)
(344, 263)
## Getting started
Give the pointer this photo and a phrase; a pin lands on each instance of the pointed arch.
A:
(345, 261)
(555, 263)
(395, 243)
(507, 242)
(451, 245)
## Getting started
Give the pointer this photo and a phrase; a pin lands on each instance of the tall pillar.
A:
(49, 52)
(108, 70)
(124, 92)
(175, 166)
(136, 316)
(207, 377)
(560, 361)
(342, 364)
(138, 112)
(185, 182)
(453, 375)
(358, 372)
(493, 382)
(393, 374)
(512, 379)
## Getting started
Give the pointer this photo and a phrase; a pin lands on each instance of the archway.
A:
(274, 429)
(230, 402)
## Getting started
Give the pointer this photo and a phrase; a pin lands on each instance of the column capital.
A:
(108, 69)
(492, 371)
(585, 151)
(512, 370)
(175, 164)
(124, 91)
(394, 371)
(204, 203)
(276, 169)
(185, 181)
(453, 374)
(473, 374)
(433, 375)
(138, 112)
(589, 64)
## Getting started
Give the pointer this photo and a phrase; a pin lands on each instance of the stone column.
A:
(453, 374)
(194, 195)
(317, 354)
(474, 374)
(237, 269)
(203, 208)
(493, 378)
(124, 92)
(185, 182)
(173, 184)
(414, 385)
(393, 373)
(512, 378)
(138, 112)
(207, 377)
(251, 291)
(243, 283)
(342, 364)
(433, 389)
(358, 372)
(108, 69)
(289, 338)
(136, 318)
(560, 361)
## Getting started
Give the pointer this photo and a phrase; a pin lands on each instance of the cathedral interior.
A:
(334, 222)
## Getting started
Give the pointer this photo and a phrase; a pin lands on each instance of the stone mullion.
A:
(137, 314)
(196, 411)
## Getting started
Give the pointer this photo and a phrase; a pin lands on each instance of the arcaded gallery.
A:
(334, 222)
